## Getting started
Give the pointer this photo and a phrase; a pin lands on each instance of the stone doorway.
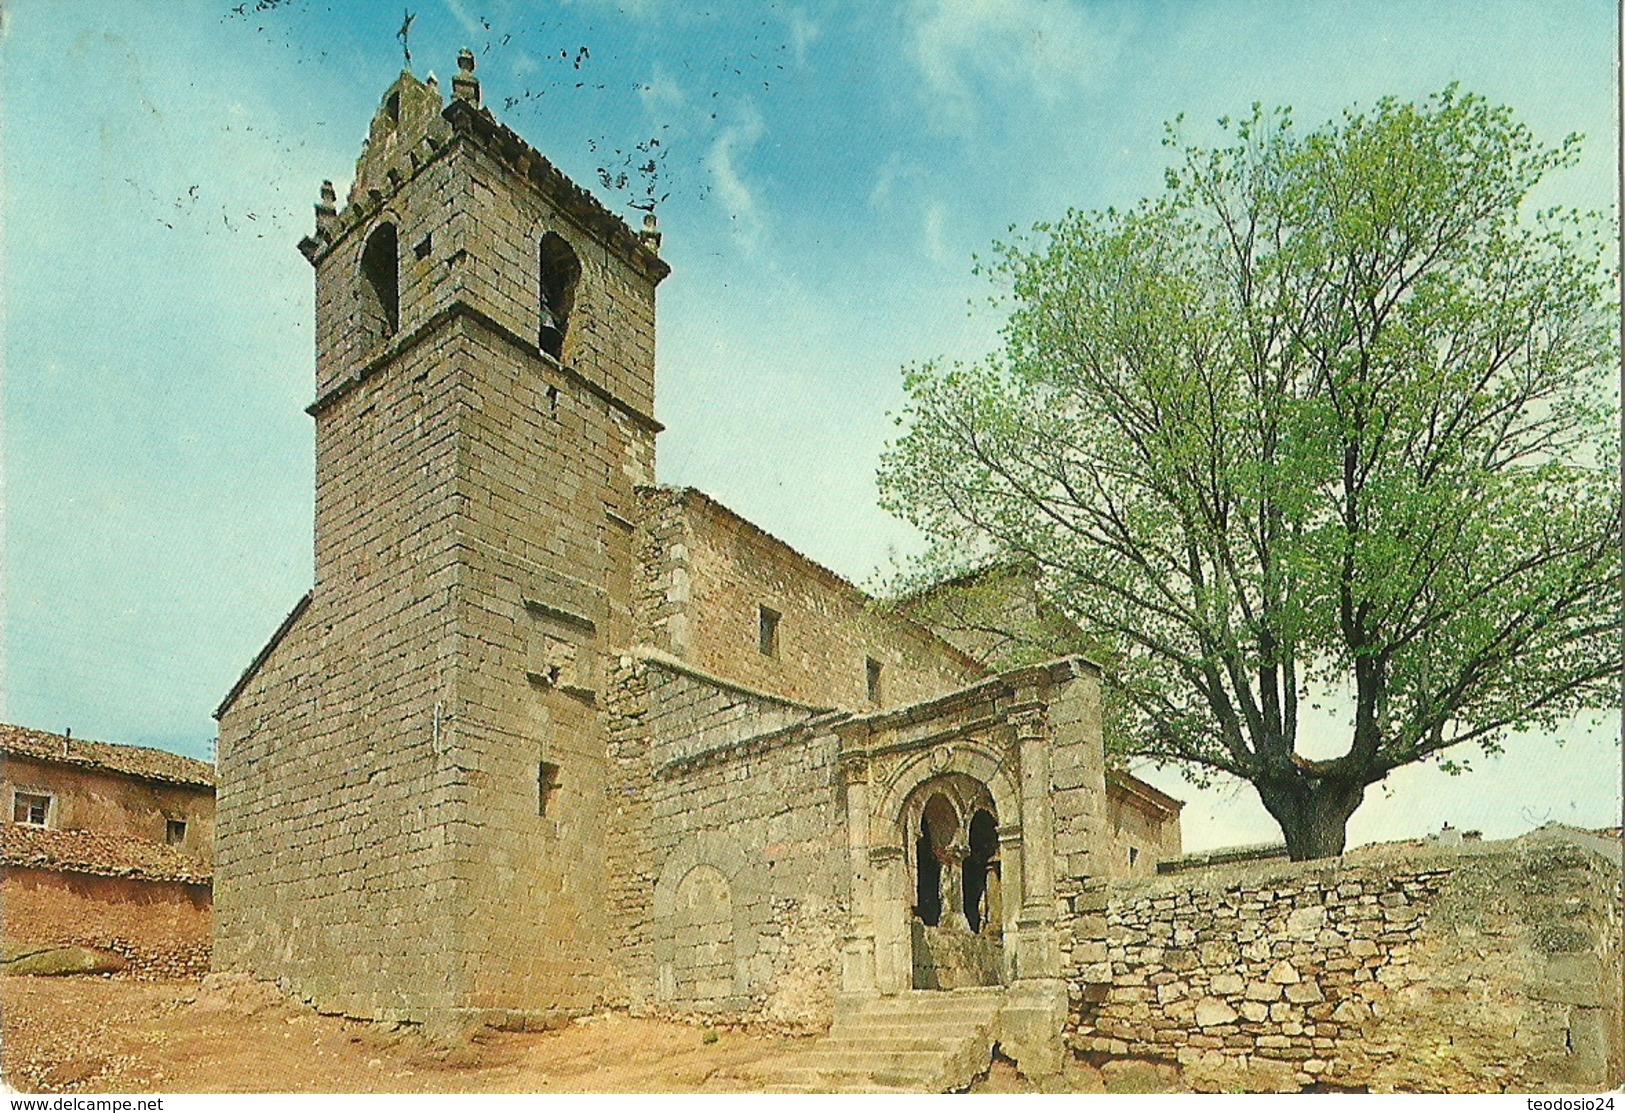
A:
(956, 918)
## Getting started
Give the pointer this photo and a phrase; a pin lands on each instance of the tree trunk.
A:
(1313, 813)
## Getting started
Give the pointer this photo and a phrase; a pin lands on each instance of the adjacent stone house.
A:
(109, 847)
(546, 734)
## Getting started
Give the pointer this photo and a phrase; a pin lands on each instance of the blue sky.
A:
(832, 170)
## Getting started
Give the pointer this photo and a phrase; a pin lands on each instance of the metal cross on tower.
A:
(405, 35)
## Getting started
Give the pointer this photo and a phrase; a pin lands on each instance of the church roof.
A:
(264, 654)
(134, 761)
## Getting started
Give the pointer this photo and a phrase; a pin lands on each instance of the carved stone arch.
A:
(968, 758)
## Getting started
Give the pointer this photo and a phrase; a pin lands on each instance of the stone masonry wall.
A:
(736, 900)
(161, 928)
(1450, 970)
(549, 469)
(708, 572)
(1137, 825)
(337, 788)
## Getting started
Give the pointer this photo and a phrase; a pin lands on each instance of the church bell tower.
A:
(430, 722)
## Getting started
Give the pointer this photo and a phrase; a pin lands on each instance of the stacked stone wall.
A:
(160, 928)
(1450, 970)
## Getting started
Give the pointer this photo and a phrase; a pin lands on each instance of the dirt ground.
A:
(111, 1035)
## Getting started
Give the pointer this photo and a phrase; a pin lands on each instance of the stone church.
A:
(546, 735)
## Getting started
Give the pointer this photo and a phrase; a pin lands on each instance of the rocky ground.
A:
(82, 1034)
(90, 1034)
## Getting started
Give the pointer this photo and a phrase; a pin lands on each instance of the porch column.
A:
(1037, 821)
(894, 962)
(858, 948)
(1036, 1008)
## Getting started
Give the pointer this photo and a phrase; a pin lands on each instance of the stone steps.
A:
(923, 1041)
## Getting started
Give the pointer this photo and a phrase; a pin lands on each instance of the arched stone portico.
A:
(1011, 747)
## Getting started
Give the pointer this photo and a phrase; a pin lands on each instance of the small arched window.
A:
(380, 283)
(559, 270)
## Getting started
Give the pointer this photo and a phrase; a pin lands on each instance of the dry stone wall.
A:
(160, 928)
(1445, 971)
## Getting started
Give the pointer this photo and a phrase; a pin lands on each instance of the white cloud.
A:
(663, 96)
(469, 24)
(893, 171)
(732, 191)
(803, 33)
(936, 233)
(1054, 47)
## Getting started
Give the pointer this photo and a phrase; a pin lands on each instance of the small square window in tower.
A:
(871, 668)
(767, 631)
(31, 808)
(175, 831)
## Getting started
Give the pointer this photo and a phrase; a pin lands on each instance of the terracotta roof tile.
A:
(136, 761)
(93, 853)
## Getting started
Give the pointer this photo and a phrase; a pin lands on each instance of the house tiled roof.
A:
(93, 853)
(134, 761)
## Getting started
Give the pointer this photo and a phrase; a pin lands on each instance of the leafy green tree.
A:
(1334, 412)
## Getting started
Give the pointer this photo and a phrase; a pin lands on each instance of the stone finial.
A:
(464, 85)
(433, 83)
(650, 236)
(327, 212)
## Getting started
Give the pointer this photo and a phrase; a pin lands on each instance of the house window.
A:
(380, 285)
(559, 270)
(872, 673)
(175, 831)
(32, 808)
(547, 784)
(767, 631)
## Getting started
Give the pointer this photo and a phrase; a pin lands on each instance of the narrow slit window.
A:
(871, 669)
(547, 785)
(767, 631)
(175, 831)
(1133, 855)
